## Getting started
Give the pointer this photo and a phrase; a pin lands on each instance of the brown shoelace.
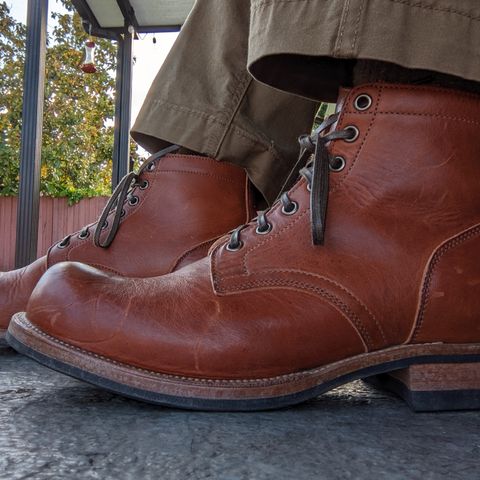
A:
(124, 192)
(314, 164)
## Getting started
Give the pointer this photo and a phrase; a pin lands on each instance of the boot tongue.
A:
(342, 96)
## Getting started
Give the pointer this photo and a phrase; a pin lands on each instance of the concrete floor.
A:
(52, 426)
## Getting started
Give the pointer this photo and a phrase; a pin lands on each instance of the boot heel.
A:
(434, 387)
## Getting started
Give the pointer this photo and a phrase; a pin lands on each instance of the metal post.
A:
(123, 100)
(31, 145)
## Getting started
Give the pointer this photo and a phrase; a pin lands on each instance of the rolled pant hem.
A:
(290, 40)
(207, 134)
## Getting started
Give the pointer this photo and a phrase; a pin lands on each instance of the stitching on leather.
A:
(269, 238)
(254, 381)
(413, 88)
(342, 180)
(333, 299)
(431, 272)
(205, 174)
(333, 282)
(431, 115)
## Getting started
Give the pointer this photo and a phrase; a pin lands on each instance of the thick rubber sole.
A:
(434, 387)
(224, 395)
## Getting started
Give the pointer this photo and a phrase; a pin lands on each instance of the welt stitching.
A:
(167, 376)
(333, 299)
(431, 271)
(424, 6)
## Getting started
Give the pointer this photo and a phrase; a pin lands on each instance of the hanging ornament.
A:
(88, 65)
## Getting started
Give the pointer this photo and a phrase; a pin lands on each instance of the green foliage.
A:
(78, 109)
(324, 110)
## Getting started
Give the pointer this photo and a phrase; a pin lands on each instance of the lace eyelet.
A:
(363, 102)
(151, 167)
(309, 187)
(123, 213)
(234, 248)
(355, 133)
(63, 244)
(337, 164)
(291, 210)
(267, 229)
(83, 235)
(132, 201)
(105, 225)
(144, 185)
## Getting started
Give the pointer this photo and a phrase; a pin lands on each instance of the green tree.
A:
(78, 110)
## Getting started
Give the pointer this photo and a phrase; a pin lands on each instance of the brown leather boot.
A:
(289, 306)
(173, 210)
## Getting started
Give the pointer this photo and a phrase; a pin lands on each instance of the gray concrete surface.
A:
(54, 427)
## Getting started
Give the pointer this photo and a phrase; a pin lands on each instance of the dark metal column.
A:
(123, 101)
(31, 146)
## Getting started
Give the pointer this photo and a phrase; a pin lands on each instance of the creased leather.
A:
(280, 304)
(190, 201)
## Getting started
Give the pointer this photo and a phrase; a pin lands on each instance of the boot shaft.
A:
(181, 205)
(410, 183)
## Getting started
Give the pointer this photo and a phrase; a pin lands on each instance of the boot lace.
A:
(124, 192)
(314, 164)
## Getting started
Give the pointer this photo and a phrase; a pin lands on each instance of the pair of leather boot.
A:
(367, 267)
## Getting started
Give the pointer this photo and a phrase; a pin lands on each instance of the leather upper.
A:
(403, 225)
(185, 204)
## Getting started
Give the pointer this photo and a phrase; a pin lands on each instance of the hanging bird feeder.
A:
(88, 65)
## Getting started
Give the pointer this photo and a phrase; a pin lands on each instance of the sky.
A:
(149, 56)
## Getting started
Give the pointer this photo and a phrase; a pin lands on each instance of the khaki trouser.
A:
(210, 95)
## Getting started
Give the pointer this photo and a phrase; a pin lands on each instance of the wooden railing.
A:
(57, 219)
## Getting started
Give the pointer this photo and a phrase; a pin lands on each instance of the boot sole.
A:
(250, 394)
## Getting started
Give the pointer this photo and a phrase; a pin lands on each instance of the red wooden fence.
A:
(57, 219)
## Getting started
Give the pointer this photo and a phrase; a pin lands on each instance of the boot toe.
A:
(65, 302)
(15, 289)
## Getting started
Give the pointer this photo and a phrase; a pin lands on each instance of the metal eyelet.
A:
(83, 235)
(337, 164)
(265, 230)
(363, 102)
(151, 167)
(122, 213)
(63, 245)
(144, 185)
(132, 201)
(355, 133)
(105, 225)
(309, 187)
(234, 248)
(292, 210)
